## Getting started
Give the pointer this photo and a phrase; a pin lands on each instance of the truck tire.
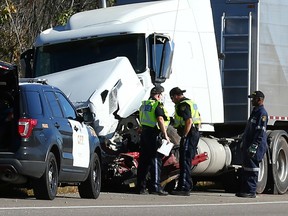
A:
(263, 175)
(91, 187)
(279, 166)
(46, 187)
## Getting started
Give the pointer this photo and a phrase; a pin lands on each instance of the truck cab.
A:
(142, 34)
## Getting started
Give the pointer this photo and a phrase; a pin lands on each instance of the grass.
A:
(10, 191)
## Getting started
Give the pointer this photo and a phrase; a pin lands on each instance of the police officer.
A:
(254, 145)
(154, 121)
(187, 122)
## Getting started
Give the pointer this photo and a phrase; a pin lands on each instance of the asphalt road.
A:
(125, 204)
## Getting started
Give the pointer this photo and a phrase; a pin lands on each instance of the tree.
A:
(22, 20)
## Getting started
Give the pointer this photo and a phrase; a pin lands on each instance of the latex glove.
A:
(252, 150)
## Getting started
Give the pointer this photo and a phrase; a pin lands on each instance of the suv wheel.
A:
(46, 187)
(90, 188)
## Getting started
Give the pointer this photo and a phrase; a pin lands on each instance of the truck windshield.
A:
(68, 55)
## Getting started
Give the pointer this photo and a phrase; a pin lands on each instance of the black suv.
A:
(44, 142)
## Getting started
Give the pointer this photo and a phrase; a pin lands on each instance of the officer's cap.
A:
(256, 94)
(157, 90)
(176, 91)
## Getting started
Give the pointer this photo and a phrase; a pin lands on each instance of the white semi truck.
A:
(219, 51)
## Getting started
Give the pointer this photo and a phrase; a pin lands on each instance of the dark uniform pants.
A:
(187, 152)
(249, 175)
(150, 160)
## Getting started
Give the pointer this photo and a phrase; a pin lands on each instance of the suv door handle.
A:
(57, 125)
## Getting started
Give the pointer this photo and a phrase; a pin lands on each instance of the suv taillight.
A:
(25, 127)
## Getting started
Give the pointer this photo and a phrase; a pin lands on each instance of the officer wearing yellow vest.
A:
(154, 121)
(187, 122)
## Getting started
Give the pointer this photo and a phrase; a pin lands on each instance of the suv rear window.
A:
(34, 103)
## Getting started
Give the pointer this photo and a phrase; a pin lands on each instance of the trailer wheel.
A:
(263, 175)
(279, 149)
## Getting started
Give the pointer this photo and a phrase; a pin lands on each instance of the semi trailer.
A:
(219, 51)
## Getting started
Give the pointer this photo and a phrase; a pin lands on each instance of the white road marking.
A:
(140, 206)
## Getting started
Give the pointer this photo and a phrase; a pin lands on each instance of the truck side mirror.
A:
(167, 56)
(161, 49)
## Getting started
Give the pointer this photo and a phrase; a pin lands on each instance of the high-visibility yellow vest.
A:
(179, 121)
(147, 114)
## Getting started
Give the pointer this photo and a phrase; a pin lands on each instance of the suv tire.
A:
(46, 187)
(90, 188)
